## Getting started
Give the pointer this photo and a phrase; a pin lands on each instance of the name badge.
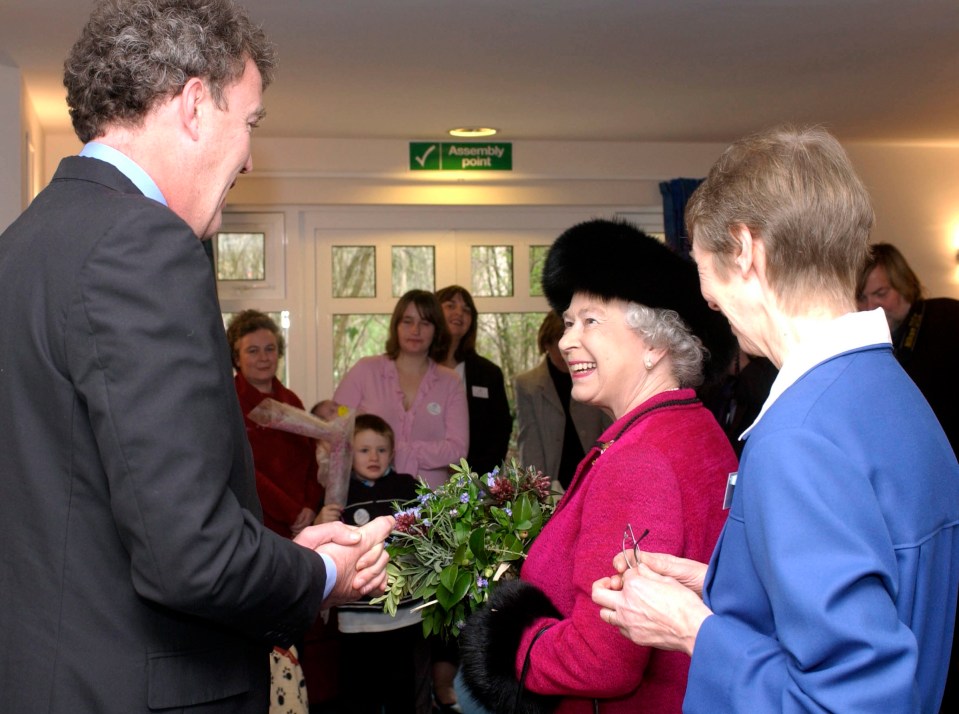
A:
(730, 487)
(361, 517)
(480, 392)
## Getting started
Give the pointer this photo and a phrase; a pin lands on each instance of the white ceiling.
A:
(614, 70)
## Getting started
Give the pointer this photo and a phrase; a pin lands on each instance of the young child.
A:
(326, 410)
(399, 682)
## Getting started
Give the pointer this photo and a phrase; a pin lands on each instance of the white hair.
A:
(665, 329)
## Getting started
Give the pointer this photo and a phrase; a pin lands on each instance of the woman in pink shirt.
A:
(421, 400)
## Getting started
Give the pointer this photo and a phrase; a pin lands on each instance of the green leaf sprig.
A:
(452, 545)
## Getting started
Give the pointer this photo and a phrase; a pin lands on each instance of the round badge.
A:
(434, 408)
(361, 517)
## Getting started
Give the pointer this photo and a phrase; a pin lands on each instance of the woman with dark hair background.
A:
(491, 422)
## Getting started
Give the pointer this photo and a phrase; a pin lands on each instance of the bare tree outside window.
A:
(354, 271)
(413, 268)
(356, 336)
(509, 340)
(491, 268)
(537, 259)
(240, 256)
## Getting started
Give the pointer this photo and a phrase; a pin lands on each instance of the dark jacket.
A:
(927, 345)
(491, 422)
(135, 572)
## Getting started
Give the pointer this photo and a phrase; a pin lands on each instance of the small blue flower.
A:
(509, 511)
(482, 582)
(426, 522)
(464, 498)
(425, 497)
(495, 471)
(460, 624)
(490, 481)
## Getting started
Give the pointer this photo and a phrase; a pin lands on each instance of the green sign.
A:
(470, 156)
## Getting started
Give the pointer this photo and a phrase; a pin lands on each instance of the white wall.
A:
(56, 146)
(11, 143)
(33, 148)
(915, 189)
(915, 193)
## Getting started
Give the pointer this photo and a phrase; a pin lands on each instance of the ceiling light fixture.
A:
(473, 132)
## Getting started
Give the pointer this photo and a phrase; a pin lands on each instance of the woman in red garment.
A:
(285, 475)
(285, 463)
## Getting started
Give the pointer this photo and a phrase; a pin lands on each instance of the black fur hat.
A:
(614, 259)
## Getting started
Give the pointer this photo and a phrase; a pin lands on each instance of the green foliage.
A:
(452, 545)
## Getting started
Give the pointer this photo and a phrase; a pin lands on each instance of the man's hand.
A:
(357, 552)
(338, 532)
(361, 566)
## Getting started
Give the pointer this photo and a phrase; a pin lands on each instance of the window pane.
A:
(240, 256)
(282, 319)
(356, 336)
(354, 271)
(537, 259)
(492, 269)
(413, 268)
(509, 340)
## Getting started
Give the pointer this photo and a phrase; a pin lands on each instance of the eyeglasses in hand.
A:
(631, 545)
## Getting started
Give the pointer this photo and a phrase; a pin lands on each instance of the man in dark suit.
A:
(135, 573)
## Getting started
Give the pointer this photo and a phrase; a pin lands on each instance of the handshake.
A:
(359, 554)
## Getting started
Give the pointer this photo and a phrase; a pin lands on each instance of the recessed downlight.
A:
(470, 132)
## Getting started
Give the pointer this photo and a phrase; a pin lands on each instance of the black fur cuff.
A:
(489, 643)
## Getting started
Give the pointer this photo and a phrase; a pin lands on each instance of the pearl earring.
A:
(649, 364)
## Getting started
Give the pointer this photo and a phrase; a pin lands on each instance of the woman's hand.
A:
(657, 604)
(330, 513)
(690, 573)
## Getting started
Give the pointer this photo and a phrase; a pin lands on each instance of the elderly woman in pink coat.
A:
(639, 337)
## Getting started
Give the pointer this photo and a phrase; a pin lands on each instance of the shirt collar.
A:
(842, 334)
(126, 166)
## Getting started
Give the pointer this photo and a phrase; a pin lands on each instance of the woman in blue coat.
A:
(831, 586)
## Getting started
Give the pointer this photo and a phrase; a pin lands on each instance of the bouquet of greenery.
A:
(453, 544)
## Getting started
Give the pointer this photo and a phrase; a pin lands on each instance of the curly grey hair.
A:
(132, 54)
(665, 329)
